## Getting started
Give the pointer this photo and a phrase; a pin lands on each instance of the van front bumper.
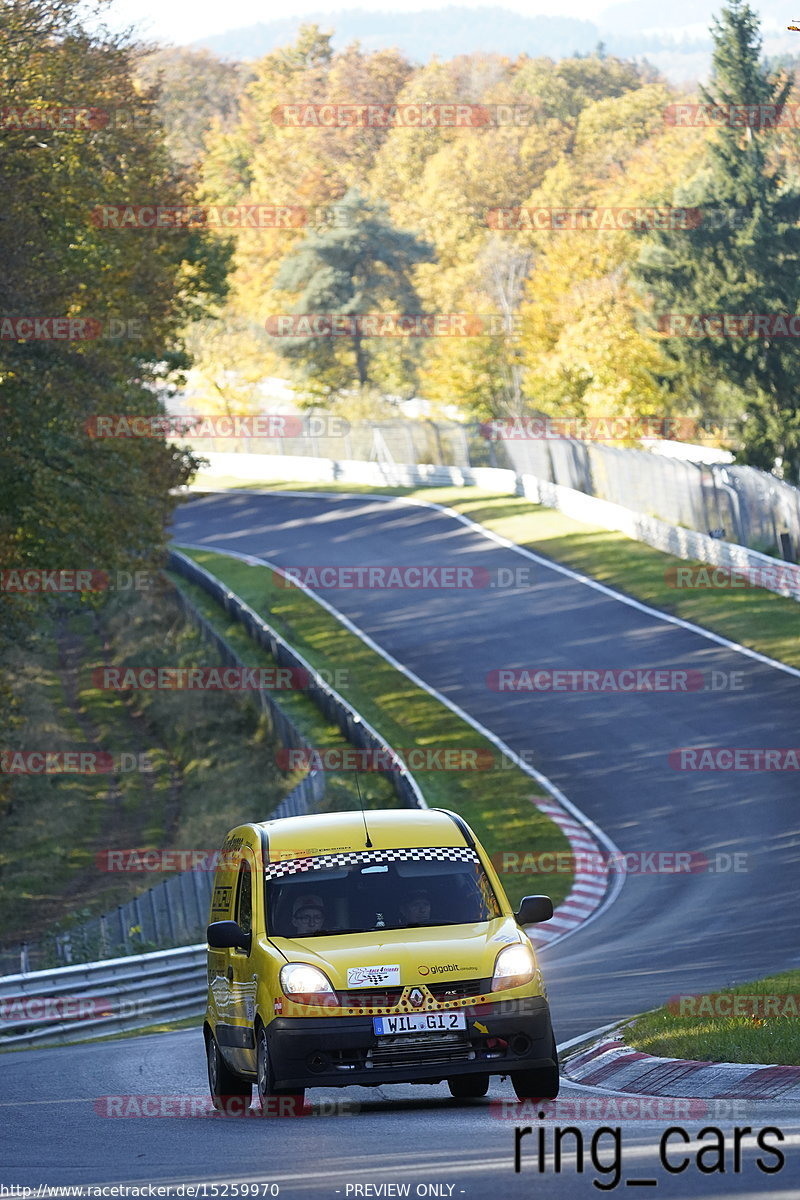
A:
(504, 1036)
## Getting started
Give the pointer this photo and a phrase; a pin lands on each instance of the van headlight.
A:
(301, 979)
(514, 965)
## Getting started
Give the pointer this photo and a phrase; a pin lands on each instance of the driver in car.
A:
(308, 915)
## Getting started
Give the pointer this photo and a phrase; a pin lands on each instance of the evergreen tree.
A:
(359, 266)
(744, 256)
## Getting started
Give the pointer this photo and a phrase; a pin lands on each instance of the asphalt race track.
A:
(664, 935)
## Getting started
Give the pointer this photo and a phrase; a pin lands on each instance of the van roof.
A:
(389, 829)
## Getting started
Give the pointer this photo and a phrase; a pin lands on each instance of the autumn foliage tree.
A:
(68, 500)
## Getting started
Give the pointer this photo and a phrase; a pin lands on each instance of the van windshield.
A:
(356, 892)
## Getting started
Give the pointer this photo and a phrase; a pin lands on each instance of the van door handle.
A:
(230, 974)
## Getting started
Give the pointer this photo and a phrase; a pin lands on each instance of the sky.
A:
(183, 21)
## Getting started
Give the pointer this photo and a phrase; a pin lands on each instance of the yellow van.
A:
(370, 948)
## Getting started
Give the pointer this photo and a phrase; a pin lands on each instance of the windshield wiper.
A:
(333, 932)
(428, 924)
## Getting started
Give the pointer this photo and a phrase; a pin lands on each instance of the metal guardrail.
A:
(91, 1000)
(176, 911)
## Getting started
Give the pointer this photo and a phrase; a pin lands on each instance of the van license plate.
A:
(439, 1022)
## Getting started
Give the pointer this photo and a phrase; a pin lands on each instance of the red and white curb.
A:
(589, 887)
(610, 1064)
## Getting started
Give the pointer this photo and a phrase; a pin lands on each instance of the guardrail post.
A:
(154, 914)
(137, 904)
(123, 929)
(170, 914)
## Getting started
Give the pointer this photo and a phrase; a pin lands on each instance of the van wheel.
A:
(542, 1084)
(229, 1093)
(275, 1102)
(468, 1087)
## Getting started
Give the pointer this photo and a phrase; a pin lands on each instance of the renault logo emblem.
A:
(416, 998)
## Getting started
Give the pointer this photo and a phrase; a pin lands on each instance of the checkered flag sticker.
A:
(368, 858)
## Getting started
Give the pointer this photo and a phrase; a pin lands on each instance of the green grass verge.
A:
(766, 1029)
(754, 617)
(341, 791)
(496, 803)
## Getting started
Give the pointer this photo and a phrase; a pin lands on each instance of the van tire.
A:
(272, 1098)
(541, 1084)
(230, 1093)
(468, 1087)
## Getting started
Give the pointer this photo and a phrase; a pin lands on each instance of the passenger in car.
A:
(416, 908)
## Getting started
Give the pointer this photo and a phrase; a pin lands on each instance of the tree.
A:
(583, 352)
(195, 89)
(744, 257)
(68, 500)
(360, 266)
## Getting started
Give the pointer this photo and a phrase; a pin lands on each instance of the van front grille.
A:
(425, 1050)
(459, 989)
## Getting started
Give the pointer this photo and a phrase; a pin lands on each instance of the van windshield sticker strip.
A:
(296, 866)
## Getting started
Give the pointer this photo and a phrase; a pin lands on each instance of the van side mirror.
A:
(532, 910)
(227, 935)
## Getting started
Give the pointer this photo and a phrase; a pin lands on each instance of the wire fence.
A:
(736, 503)
(175, 912)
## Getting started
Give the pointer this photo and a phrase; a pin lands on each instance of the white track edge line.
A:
(542, 780)
(551, 565)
